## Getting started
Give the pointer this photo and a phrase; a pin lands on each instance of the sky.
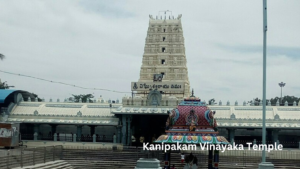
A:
(100, 44)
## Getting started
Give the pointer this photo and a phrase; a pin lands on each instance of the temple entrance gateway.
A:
(148, 126)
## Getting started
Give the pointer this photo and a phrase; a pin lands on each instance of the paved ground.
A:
(3, 152)
(15, 151)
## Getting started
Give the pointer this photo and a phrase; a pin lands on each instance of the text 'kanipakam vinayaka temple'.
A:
(162, 108)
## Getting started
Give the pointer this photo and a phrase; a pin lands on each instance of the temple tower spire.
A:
(164, 52)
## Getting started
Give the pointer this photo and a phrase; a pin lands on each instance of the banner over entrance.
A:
(160, 86)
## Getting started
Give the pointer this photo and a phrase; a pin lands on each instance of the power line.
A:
(51, 81)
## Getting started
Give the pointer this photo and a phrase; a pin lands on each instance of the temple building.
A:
(163, 81)
(65, 118)
(163, 84)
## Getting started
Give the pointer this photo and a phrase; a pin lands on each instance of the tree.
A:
(274, 100)
(4, 85)
(83, 97)
(210, 101)
(289, 99)
(2, 56)
(256, 101)
(71, 99)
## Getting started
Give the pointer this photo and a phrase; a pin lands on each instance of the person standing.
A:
(142, 140)
(114, 138)
(133, 141)
(182, 157)
(153, 139)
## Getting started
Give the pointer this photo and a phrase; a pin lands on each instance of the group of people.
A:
(182, 159)
(135, 143)
(141, 140)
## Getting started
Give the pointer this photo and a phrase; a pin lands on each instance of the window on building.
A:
(163, 61)
(163, 49)
(164, 30)
(164, 38)
(163, 74)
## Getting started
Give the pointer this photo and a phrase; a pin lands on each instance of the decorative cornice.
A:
(58, 115)
(67, 121)
(137, 110)
(257, 124)
(191, 103)
(29, 105)
(256, 119)
(101, 106)
(252, 108)
(288, 109)
(64, 105)
(219, 108)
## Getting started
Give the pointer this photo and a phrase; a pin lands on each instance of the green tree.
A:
(4, 85)
(274, 100)
(211, 100)
(256, 101)
(289, 99)
(83, 97)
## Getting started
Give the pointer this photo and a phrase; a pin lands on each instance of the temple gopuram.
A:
(192, 122)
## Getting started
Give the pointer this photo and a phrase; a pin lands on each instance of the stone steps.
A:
(59, 164)
(225, 162)
(103, 159)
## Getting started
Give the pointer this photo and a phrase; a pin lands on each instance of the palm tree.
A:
(2, 56)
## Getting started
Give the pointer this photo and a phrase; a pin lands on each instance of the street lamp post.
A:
(263, 163)
(281, 86)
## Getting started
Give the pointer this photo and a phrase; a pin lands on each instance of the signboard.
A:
(5, 133)
(9, 134)
(160, 86)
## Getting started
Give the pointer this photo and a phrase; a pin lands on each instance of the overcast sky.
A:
(100, 44)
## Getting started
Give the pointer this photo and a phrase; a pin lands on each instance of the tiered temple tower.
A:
(164, 64)
(165, 53)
